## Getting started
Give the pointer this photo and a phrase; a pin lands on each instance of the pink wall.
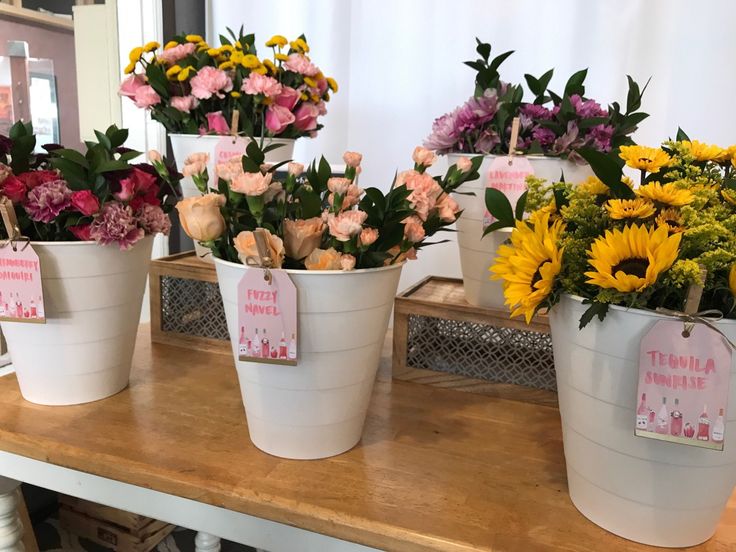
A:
(57, 45)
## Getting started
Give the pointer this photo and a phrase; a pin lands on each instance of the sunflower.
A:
(620, 209)
(546, 214)
(594, 186)
(672, 219)
(705, 152)
(644, 158)
(633, 258)
(732, 279)
(529, 265)
(666, 194)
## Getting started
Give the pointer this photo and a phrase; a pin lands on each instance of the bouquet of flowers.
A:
(64, 195)
(316, 221)
(552, 124)
(614, 243)
(191, 87)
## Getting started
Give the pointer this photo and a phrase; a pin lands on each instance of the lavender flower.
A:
(153, 220)
(47, 200)
(448, 132)
(115, 224)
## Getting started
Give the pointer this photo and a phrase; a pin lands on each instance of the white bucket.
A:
(649, 491)
(92, 300)
(317, 408)
(477, 252)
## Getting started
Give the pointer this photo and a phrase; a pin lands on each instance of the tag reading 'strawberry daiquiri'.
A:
(508, 175)
(21, 293)
(267, 321)
(683, 385)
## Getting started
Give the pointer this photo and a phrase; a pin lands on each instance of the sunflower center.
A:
(633, 267)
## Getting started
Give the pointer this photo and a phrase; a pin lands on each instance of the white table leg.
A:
(11, 528)
(203, 542)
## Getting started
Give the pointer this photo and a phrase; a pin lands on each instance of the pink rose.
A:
(127, 190)
(261, 84)
(184, 103)
(368, 236)
(251, 184)
(130, 86)
(14, 189)
(322, 86)
(85, 202)
(82, 231)
(210, 82)
(464, 164)
(423, 156)
(346, 225)
(306, 117)
(295, 169)
(352, 159)
(347, 262)
(338, 185)
(216, 123)
(413, 229)
(278, 118)
(300, 63)
(176, 53)
(146, 97)
(288, 97)
(447, 208)
(138, 183)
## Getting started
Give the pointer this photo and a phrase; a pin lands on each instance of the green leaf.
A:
(483, 49)
(609, 172)
(595, 309)
(72, 155)
(117, 136)
(254, 152)
(129, 156)
(544, 80)
(498, 60)
(75, 175)
(378, 199)
(499, 206)
(310, 203)
(521, 206)
(103, 140)
(681, 135)
(496, 225)
(575, 83)
(112, 165)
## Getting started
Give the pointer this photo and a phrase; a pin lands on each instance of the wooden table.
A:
(437, 469)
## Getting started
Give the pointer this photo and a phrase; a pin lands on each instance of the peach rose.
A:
(423, 156)
(251, 184)
(301, 237)
(346, 225)
(413, 229)
(368, 236)
(352, 158)
(347, 262)
(338, 185)
(245, 244)
(323, 259)
(201, 218)
(295, 169)
(464, 164)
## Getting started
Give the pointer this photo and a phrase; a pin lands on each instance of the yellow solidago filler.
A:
(672, 219)
(235, 94)
(299, 45)
(729, 196)
(135, 54)
(644, 158)
(194, 38)
(530, 265)
(732, 279)
(184, 73)
(225, 65)
(250, 61)
(270, 66)
(277, 40)
(620, 209)
(632, 259)
(309, 81)
(332, 84)
(704, 152)
(171, 44)
(667, 194)
(172, 71)
(151, 46)
(130, 67)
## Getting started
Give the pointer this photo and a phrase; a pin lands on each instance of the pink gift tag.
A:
(508, 175)
(227, 147)
(267, 317)
(683, 385)
(21, 293)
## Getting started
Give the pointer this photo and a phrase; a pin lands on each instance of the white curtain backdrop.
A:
(399, 65)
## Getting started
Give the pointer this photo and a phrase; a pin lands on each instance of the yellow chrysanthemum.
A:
(213, 52)
(261, 70)
(644, 158)
(672, 219)
(270, 66)
(172, 71)
(529, 266)
(170, 44)
(194, 38)
(225, 65)
(299, 45)
(130, 67)
(326, 97)
(250, 61)
(332, 84)
(705, 152)
(277, 40)
(621, 209)
(309, 81)
(732, 279)
(239, 46)
(203, 47)
(303, 97)
(666, 194)
(235, 94)
(136, 53)
(184, 73)
(151, 46)
(632, 259)
(281, 57)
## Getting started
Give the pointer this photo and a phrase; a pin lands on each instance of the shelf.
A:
(36, 18)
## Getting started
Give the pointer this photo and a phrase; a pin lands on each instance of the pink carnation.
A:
(130, 86)
(47, 200)
(300, 63)
(184, 103)
(346, 225)
(424, 191)
(210, 82)
(153, 220)
(146, 97)
(261, 84)
(116, 224)
(172, 55)
(447, 208)
(414, 229)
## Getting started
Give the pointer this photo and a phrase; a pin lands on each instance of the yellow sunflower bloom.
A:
(593, 186)
(705, 152)
(732, 279)
(151, 46)
(172, 71)
(281, 57)
(621, 209)
(250, 61)
(667, 194)
(672, 219)
(194, 38)
(644, 158)
(277, 40)
(632, 259)
(170, 44)
(136, 53)
(332, 84)
(530, 265)
(130, 67)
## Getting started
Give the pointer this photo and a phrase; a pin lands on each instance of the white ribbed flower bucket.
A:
(317, 408)
(92, 300)
(649, 491)
(477, 252)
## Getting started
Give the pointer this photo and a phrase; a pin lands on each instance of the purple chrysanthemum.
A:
(587, 108)
(534, 111)
(544, 136)
(47, 200)
(115, 224)
(444, 135)
(153, 220)
(601, 136)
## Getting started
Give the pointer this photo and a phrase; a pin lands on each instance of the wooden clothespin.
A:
(515, 124)
(692, 302)
(234, 121)
(266, 262)
(10, 221)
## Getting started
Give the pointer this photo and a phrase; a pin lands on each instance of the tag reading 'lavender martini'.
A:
(21, 293)
(683, 385)
(508, 175)
(267, 321)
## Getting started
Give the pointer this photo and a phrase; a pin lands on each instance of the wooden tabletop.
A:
(437, 469)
